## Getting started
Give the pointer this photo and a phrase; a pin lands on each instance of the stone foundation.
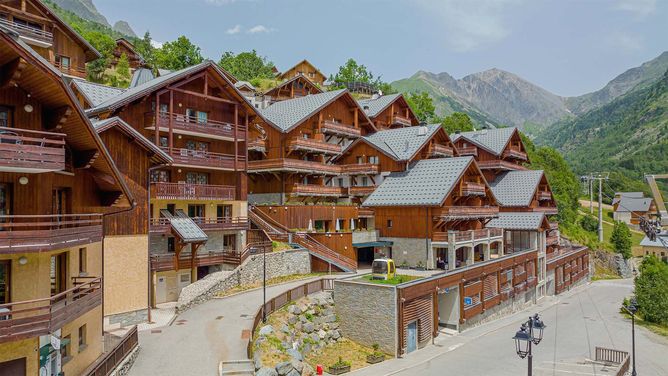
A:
(411, 250)
(121, 320)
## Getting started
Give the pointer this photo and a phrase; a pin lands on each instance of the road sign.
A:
(468, 301)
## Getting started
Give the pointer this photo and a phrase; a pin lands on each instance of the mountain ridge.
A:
(87, 10)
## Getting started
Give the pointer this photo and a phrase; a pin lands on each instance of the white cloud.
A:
(469, 24)
(640, 8)
(235, 30)
(625, 42)
(156, 44)
(258, 29)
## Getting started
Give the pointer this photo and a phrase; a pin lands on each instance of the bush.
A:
(651, 289)
(589, 223)
(621, 239)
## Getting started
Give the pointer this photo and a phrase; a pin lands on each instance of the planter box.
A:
(338, 370)
(373, 359)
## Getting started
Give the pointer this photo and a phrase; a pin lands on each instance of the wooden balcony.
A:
(549, 210)
(469, 150)
(438, 150)
(468, 235)
(450, 213)
(40, 233)
(515, 154)
(544, 195)
(33, 318)
(222, 223)
(70, 70)
(360, 169)
(501, 165)
(365, 213)
(401, 121)
(167, 261)
(339, 129)
(361, 191)
(317, 190)
(23, 150)
(257, 145)
(552, 240)
(313, 145)
(206, 159)
(184, 191)
(30, 35)
(292, 165)
(472, 189)
(182, 124)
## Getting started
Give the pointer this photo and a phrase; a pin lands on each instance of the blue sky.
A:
(569, 47)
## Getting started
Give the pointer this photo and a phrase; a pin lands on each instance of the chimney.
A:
(422, 130)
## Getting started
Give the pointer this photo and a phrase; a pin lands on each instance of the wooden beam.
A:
(200, 95)
(10, 73)
(55, 119)
(84, 159)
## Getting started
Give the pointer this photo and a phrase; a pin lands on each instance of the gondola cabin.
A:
(383, 269)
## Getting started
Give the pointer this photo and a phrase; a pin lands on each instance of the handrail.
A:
(191, 190)
(108, 362)
(28, 31)
(188, 123)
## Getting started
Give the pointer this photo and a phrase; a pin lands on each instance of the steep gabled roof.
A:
(290, 81)
(428, 183)
(400, 144)
(96, 93)
(492, 140)
(241, 84)
(287, 114)
(303, 61)
(130, 47)
(376, 106)
(118, 123)
(634, 204)
(519, 221)
(141, 76)
(516, 188)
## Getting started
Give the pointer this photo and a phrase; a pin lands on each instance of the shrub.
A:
(651, 289)
(589, 223)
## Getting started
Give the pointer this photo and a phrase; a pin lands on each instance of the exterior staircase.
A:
(278, 232)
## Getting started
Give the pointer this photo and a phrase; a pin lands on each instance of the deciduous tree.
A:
(422, 105)
(651, 290)
(457, 121)
(247, 66)
(178, 54)
(621, 239)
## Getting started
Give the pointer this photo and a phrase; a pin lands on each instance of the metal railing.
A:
(28, 32)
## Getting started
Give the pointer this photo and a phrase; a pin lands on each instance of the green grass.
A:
(398, 279)
(659, 329)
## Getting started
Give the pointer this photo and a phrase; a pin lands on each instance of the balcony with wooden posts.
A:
(42, 233)
(365, 213)
(187, 191)
(467, 236)
(161, 225)
(206, 159)
(70, 70)
(515, 153)
(292, 165)
(314, 145)
(438, 150)
(39, 317)
(29, 34)
(317, 190)
(401, 121)
(451, 213)
(544, 195)
(469, 188)
(339, 129)
(28, 151)
(468, 151)
(360, 191)
(187, 125)
(500, 165)
(257, 145)
(360, 169)
(548, 210)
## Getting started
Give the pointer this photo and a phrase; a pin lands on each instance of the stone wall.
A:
(367, 313)
(121, 320)
(279, 264)
(411, 250)
(265, 198)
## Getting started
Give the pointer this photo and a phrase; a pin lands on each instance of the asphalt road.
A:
(579, 321)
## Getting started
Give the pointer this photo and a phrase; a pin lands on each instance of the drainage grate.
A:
(219, 318)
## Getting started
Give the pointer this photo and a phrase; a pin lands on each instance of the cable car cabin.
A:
(383, 269)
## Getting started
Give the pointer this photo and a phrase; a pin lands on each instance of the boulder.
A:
(294, 309)
(292, 320)
(257, 359)
(329, 318)
(315, 337)
(266, 371)
(308, 327)
(285, 329)
(266, 330)
(298, 366)
(295, 355)
(322, 334)
(294, 373)
(298, 326)
(336, 334)
(284, 368)
(334, 325)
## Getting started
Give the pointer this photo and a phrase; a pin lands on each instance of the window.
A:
(340, 180)
(66, 348)
(5, 116)
(196, 211)
(82, 337)
(162, 176)
(171, 244)
(360, 160)
(389, 223)
(191, 115)
(202, 117)
(373, 159)
(365, 181)
(83, 264)
(63, 62)
(229, 241)
(164, 108)
(224, 211)
(197, 178)
(164, 142)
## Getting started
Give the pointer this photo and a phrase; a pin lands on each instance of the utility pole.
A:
(600, 176)
(600, 210)
(591, 196)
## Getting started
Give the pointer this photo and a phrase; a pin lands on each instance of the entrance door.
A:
(161, 290)
(196, 211)
(5, 267)
(411, 338)
(13, 367)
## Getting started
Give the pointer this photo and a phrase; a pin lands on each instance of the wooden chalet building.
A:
(198, 205)
(58, 186)
(48, 35)
(295, 87)
(389, 111)
(91, 94)
(495, 150)
(123, 46)
(306, 69)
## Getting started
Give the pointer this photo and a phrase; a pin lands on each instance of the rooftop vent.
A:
(422, 130)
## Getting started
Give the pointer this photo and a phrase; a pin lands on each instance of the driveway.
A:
(577, 322)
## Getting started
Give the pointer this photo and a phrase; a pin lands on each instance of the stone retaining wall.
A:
(279, 264)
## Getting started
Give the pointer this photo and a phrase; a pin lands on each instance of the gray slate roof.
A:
(376, 106)
(619, 195)
(401, 143)
(96, 93)
(141, 76)
(633, 204)
(239, 84)
(289, 113)
(427, 183)
(517, 221)
(102, 125)
(657, 243)
(494, 140)
(516, 188)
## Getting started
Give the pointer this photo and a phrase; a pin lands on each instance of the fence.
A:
(281, 300)
(615, 357)
(109, 361)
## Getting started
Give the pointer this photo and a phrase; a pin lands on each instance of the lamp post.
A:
(632, 308)
(530, 333)
(264, 285)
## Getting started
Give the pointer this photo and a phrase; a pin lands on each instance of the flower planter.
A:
(373, 358)
(338, 370)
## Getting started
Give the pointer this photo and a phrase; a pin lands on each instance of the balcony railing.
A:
(365, 213)
(206, 159)
(552, 240)
(222, 223)
(37, 233)
(257, 145)
(513, 153)
(44, 37)
(361, 190)
(33, 318)
(313, 145)
(468, 235)
(554, 226)
(498, 164)
(31, 151)
(544, 195)
(401, 121)
(293, 165)
(546, 209)
(469, 150)
(438, 150)
(339, 129)
(70, 69)
(188, 125)
(360, 169)
(317, 190)
(466, 212)
(472, 189)
(184, 191)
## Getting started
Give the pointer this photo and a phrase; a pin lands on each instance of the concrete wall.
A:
(365, 236)
(448, 308)
(265, 198)
(367, 313)
(22, 349)
(86, 355)
(125, 274)
(411, 250)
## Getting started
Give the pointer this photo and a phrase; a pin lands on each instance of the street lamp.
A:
(264, 285)
(632, 308)
(531, 332)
